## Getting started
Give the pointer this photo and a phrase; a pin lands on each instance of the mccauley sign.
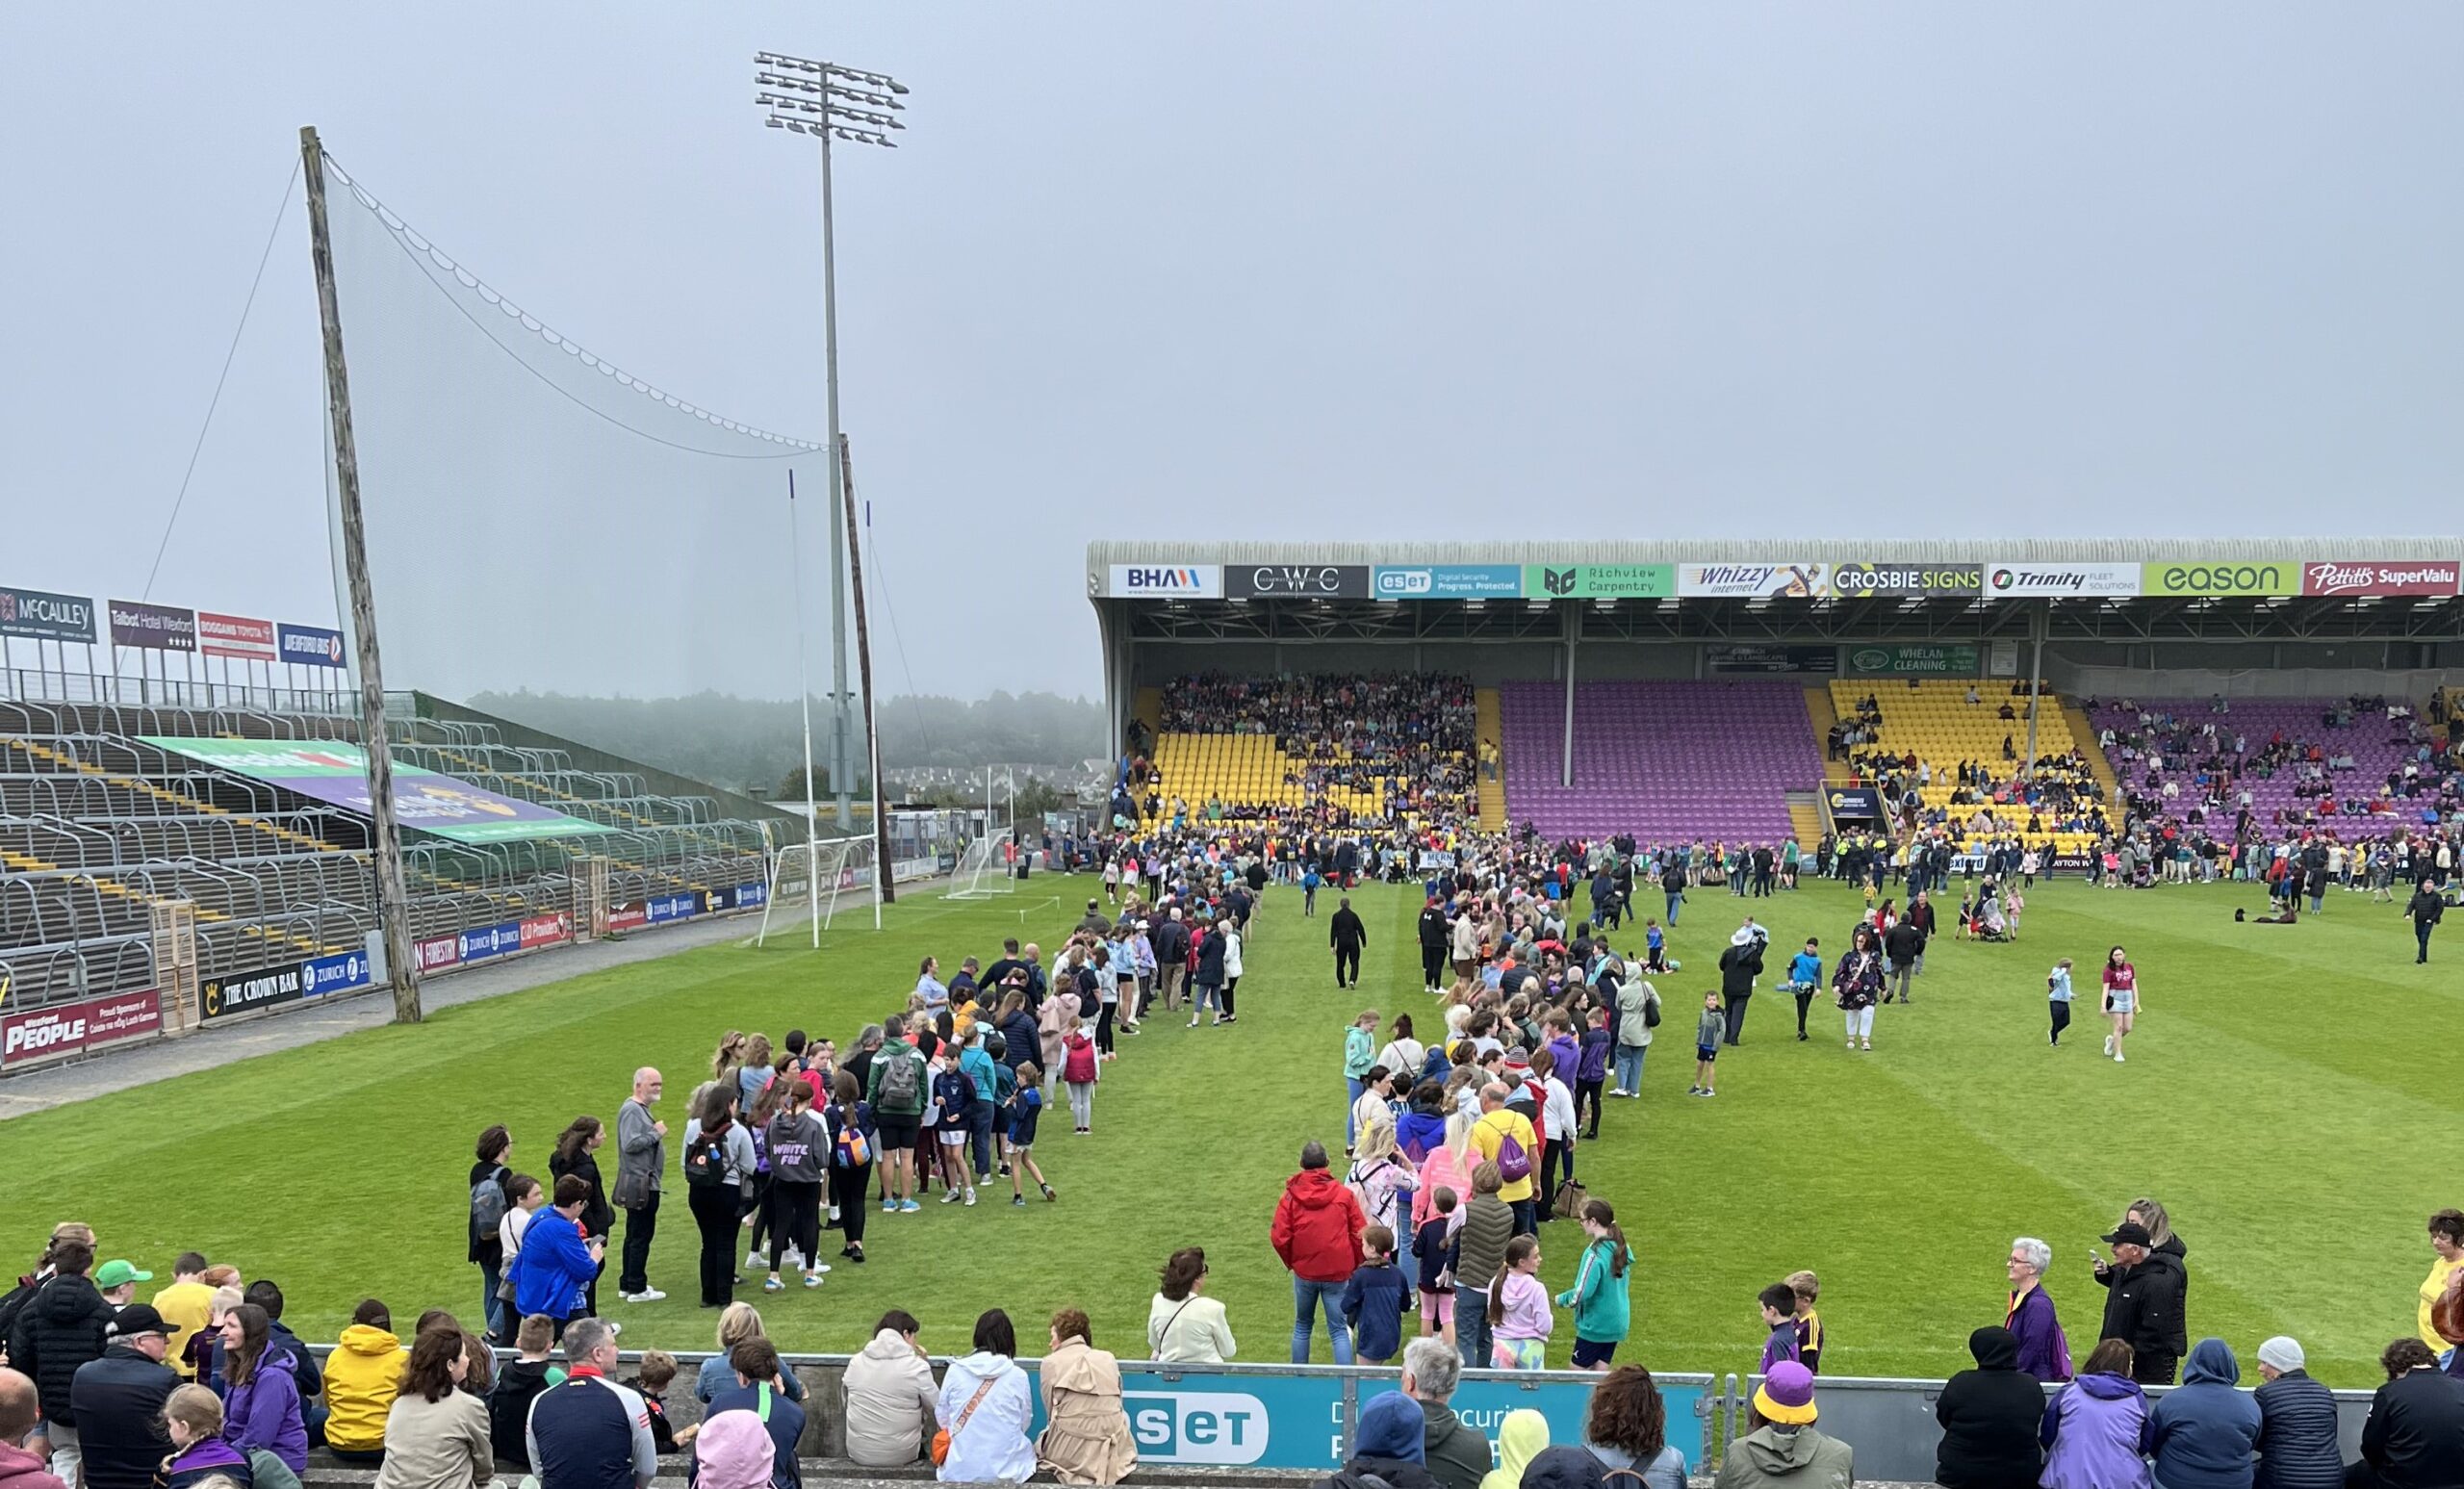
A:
(2367, 579)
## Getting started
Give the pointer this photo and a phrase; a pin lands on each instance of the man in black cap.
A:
(2144, 1306)
(118, 1402)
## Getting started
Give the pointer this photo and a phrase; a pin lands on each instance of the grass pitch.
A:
(2282, 1099)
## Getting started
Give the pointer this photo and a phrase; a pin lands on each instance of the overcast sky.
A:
(1285, 270)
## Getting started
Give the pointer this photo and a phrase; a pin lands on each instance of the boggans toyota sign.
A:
(2366, 579)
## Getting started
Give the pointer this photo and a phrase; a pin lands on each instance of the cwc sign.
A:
(1303, 582)
(2227, 578)
(1160, 581)
(2359, 579)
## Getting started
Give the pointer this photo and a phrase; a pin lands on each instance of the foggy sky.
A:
(1433, 271)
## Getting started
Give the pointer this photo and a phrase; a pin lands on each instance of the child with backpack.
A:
(855, 1138)
(1080, 1071)
(1024, 1108)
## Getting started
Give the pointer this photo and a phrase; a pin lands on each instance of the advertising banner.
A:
(1483, 1404)
(1158, 582)
(337, 773)
(1916, 580)
(2228, 577)
(1229, 1420)
(2011, 580)
(544, 930)
(1448, 582)
(157, 628)
(1819, 660)
(65, 1029)
(1856, 804)
(496, 940)
(2366, 578)
(1296, 581)
(660, 909)
(246, 992)
(45, 616)
(323, 976)
(628, 915)
(234, 635)
(1600, 581)
(309, 646)
(438, 952)
(1753, 580)
(1921, 661)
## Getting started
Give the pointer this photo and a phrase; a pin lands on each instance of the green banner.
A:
(2219, 577)
(1600, 581)
(337, 773)
(1945, 661)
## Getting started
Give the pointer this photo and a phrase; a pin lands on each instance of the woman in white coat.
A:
(985, 1405)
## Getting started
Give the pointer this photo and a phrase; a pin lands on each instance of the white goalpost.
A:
(806, 879)
(982, 871)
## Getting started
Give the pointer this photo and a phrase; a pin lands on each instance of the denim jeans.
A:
(1353, 1089)
(980, 1140)
(492, 1307)
(1307, 1298)
(1674, 901)
(1629, 1067)
(1472, 1325)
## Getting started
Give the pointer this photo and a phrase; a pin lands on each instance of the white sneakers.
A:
(645, 1295)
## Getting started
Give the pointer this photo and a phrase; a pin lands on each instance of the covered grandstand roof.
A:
(1102, 553)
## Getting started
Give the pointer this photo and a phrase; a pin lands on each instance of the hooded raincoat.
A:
(2091, 1435)
(1989, 1418)
(2203, 1431)
(992, 1443)
(1520, 1438)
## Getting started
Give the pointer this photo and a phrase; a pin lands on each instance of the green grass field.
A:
(2281, 1098)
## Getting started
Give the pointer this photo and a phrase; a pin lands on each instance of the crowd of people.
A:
(1405, 739)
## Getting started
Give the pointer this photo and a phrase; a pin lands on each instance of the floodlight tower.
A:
(827, 102)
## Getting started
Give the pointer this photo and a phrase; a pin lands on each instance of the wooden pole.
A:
(385, 836)
(885, 892)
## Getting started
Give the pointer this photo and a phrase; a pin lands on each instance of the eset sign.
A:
(1166, 581)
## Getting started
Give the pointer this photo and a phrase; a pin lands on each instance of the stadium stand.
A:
(98, 828)
(2301, 761)
(1935, 722)
(1363, 745)
(1664, 761)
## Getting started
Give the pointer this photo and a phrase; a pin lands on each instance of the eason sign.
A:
(1448, 582)
(2009, 578)
(1906, 579)
(44, 616)
(1600, 582)
(1753, 580)
(1160, 581)
(2369, 578)
(2223, 577)
(36, 1036)
(1296, 581)
(1949, 661)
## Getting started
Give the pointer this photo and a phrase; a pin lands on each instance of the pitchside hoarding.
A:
(337, 773)
(32, 1037)
(310, 646)
(235, 635)
(44, 616)
(2371, 578)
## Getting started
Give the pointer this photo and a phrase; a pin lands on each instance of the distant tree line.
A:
(757, 744)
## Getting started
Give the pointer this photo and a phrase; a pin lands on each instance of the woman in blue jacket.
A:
(555, 1265)
(2201, 1434)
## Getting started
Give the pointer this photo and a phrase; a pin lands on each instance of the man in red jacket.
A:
(1317, 1232)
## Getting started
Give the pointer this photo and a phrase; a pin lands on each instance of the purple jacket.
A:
(2043, 1351)
(2092, 1434)
(265, 1413)
(1567, 1059)
(1782, 1345)
(1594, 1064)
(204, 1458)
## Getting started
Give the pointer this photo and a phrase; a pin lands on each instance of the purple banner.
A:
(158, 628)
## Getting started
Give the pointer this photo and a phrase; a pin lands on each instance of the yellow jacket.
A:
(362, 1375)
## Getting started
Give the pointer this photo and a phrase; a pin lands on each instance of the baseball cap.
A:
(117, 1273)
(2130, 1233)
(139, 1318)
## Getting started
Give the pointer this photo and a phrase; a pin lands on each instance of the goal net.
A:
(983, 871)
(806, 880)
